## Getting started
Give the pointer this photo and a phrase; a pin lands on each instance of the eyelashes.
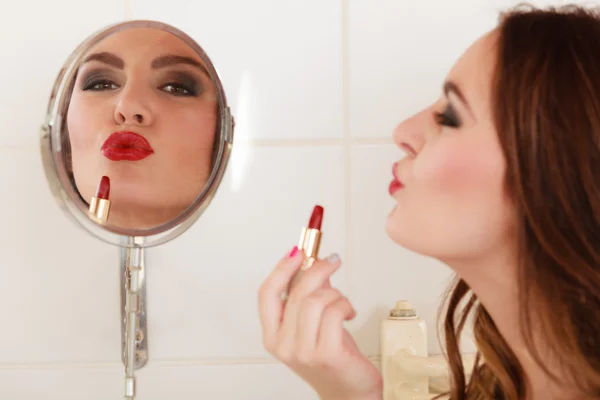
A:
(99, 84)
(180, 89)
(175, 84)
(181, 84)
(448, 117)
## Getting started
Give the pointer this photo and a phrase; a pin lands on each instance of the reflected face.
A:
(452, 202)
(143, 112)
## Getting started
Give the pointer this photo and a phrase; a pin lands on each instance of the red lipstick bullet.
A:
(103, 191)
(316, 218)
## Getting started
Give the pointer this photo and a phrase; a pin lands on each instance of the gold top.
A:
(100, 209)
(302, 237)
(310, 241)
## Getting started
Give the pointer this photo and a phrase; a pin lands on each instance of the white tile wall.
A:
(317, 87)
(399, 53)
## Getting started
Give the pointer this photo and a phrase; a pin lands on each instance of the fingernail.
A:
(294, 252)
(333, 258)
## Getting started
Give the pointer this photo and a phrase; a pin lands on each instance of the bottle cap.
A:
(403, 309)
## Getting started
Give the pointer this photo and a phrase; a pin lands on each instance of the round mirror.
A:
(138, 133)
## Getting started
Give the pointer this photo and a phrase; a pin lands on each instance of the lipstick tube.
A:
(310, 241)
(100, 204)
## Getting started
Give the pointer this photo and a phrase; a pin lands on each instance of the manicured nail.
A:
(294, 252)
(333, 258)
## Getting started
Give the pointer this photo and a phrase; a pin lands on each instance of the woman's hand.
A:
(306, 331)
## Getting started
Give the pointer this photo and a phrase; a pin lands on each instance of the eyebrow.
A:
(159, 62)
(168, 60)
(106, 58)
(451, 87)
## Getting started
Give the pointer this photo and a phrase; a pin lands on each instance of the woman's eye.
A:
(178, 89)
(100, 85)
(448, 118)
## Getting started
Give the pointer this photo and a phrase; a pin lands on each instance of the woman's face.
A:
(143, 112)
(452, 203)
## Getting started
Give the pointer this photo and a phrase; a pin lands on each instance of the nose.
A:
(410, 135)
(133, 108)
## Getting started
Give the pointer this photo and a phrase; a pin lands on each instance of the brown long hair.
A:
(546, 102)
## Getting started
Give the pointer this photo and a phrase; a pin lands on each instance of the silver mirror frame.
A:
(52, 157)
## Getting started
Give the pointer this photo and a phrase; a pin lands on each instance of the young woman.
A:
(501, 182)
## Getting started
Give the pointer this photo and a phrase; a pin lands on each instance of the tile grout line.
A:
(269, 143)
(165, 363)
(347, 147)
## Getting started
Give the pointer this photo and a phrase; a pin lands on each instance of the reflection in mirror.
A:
(141, 124)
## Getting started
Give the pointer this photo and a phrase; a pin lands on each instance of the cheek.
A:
(189, 145)
(461, 192)
(452, 174)
(459, 169)
(80, 124)
(197, 126)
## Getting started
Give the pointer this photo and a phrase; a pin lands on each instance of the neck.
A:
(494, 283)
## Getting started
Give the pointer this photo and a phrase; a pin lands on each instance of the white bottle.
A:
(402, 331)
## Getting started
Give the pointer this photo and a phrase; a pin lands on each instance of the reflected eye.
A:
(181, 84)
(448, 118)
(180, 89)
(98, 85)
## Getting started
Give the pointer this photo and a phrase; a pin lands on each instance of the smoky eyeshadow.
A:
(187, 80)
(451, 113)
(92, 77)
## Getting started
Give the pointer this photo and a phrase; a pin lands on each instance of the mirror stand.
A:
(134, 335)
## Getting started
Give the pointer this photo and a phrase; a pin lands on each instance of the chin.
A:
(396, 231)
(406, 237)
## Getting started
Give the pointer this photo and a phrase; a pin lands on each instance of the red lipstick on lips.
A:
(395, 185)
(126, 146)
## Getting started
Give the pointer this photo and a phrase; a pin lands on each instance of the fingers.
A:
(310, 281)
(292, 328)
(314, 278)
(270, 303)
(309, 318)
(332, 329)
